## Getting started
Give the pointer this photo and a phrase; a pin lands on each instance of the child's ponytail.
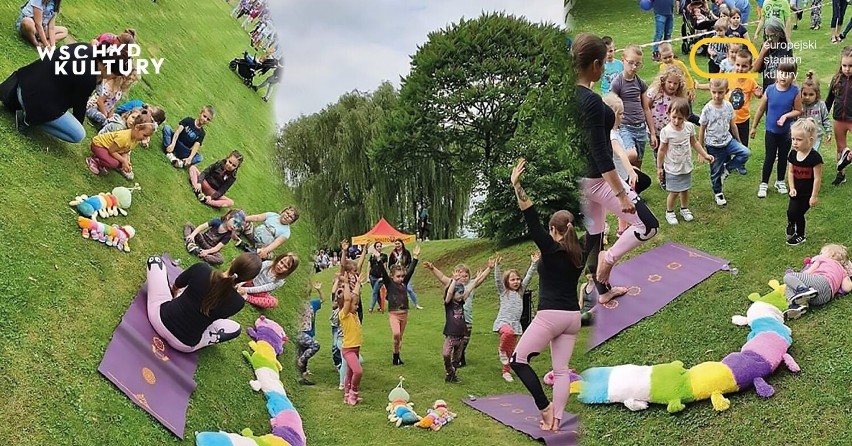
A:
(813, 83)
(244, 268)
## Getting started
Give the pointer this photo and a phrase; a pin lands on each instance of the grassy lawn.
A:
(812, 408)
(63, 296)
(424, 368)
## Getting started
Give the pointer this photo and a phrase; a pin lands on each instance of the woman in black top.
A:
(603, 190)
(41, 97)
(377, 265)
(557, 321)
(401, 256)
(198, 316)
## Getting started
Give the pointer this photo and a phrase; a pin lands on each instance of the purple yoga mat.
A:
(654, 278)
(520, 413)
(153, 375)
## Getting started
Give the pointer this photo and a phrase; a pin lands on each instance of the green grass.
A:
(63, 295)
(812, 408)
(366, 424)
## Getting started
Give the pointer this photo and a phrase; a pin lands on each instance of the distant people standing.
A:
(423, 224)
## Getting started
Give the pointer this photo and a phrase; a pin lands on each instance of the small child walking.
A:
(510, 288)
(804, 176)
(352, 338)
(306, 343)
(782, 104)
(674, 162)
(454, 326)
(721, 137)
(813, 107)
(827, 274)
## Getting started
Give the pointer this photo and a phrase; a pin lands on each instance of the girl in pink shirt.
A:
(827, 274)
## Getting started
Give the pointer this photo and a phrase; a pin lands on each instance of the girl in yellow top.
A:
(352, 337)
(112, 150)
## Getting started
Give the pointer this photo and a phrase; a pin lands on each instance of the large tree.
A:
(460, 108)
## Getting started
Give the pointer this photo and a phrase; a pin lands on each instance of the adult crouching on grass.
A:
(40, 95)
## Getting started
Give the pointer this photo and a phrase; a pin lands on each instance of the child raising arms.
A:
(454, 327)
(819, 282)
(511, 288)
(805, 176)
(674, 162)
(352, 337)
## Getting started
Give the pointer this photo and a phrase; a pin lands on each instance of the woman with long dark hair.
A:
(198, 316)
(603, 190)
(557, 321)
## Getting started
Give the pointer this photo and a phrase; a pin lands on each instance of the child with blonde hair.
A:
(101, 104)
(454, 325)
(461, 274)
(825, 276)
(674, 162)
(717, 51)
(352, 337)
(804, 174)
(510, 288)
(112, 150)
(814, 107)
(727, 65)
(637, 106)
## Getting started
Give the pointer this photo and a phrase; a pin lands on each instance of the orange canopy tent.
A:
(382, 232)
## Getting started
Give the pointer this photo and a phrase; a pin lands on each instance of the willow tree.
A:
(460, 105)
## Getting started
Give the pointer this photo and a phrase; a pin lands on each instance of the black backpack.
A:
(527, 313)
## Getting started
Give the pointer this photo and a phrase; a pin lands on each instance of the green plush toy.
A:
(776, 297)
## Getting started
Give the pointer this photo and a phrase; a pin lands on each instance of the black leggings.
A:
(838, 9)
(796, 210)
(777, 146)
(642, 182)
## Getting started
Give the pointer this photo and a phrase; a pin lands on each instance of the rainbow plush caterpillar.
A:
(268, 342)
(114, 235)
(673, 385)
(105, 204)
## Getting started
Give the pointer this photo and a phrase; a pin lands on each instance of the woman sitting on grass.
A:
(197, 316)
(210, 186)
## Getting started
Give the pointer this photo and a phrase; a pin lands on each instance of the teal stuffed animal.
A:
(400, 409)
(105, 204)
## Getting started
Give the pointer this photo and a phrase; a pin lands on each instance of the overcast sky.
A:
(335, 46)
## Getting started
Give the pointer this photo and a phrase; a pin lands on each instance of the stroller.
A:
(247, 67)
(697, 18)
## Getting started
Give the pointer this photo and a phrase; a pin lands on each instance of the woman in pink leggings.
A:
(603, 190)
(557, 321)
(198, 316)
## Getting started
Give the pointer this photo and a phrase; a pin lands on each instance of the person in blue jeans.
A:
(663, 23)
(182, 145)
(376, 267)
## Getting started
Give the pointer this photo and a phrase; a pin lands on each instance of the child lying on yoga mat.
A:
(826, 275)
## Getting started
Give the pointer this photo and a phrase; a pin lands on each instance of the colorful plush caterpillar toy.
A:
(114, 235)
(105, 204)
(268, 342)
(673, 385)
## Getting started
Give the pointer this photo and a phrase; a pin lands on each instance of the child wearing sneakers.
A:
(637, 105)
(674, 161)
(825, 276)
(182, 144)
(840, 96)
(511, 289)
(112, 150)
(742, 90)
(306, 343)
(454, 326)
(719, 134)
(805, 176)
(782, 104)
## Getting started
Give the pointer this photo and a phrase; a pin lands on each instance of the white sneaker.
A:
(671, 218)
(781, 187)
(761, 190)
(720, 199)
(508, 377)
(686, 214)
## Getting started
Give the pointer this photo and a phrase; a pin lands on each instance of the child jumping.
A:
(674, 161)
(454, 327)
(721, 137)
(782, 104)
(805, 177)
(307, 344)
(112, 150)
(827, 274)
(352, 338)
(273, 275)
(510, 288)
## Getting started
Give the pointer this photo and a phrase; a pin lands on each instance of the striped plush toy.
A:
(673, 385)
(287, 430)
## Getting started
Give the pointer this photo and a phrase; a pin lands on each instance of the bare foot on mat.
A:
(556, 423)
(614, 292)
(546, 422)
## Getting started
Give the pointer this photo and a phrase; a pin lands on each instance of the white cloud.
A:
(334, 46)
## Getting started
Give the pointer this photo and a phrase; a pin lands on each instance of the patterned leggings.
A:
(819, 283)
(451, 353)
(307, 347)
(816, 13)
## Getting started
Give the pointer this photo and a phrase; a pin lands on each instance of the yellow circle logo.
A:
(148, 375)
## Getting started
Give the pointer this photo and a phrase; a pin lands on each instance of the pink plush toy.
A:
(114, 235)
(269, 331)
